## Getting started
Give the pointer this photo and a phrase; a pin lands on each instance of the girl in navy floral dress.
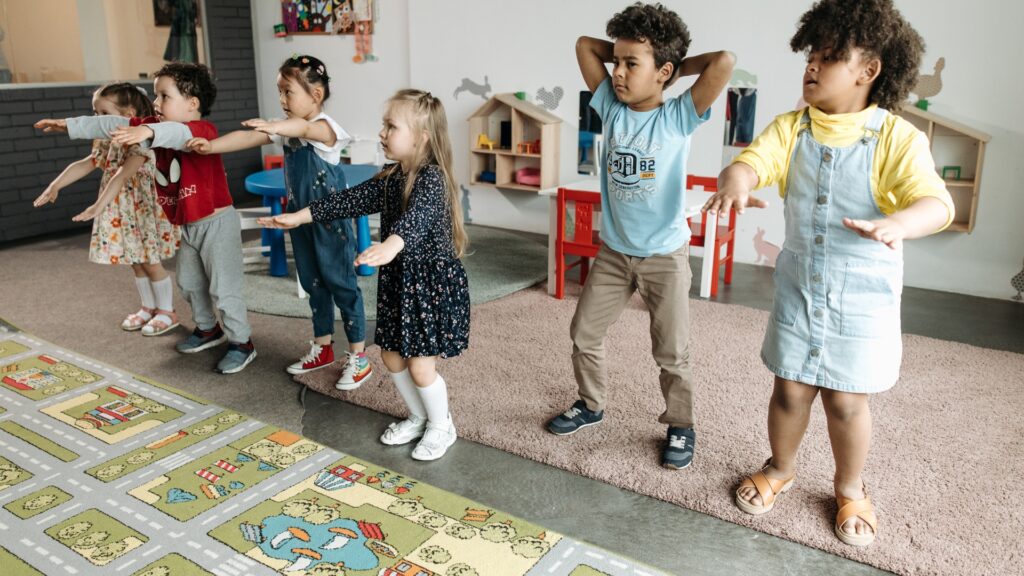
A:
(422, 292)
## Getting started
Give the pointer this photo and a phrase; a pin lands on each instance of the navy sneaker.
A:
(678, 452)
(238, 356)
(200, 340)
(579, 416)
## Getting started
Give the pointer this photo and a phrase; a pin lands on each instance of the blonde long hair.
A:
(426, 113)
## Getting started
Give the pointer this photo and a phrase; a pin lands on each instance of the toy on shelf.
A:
(528, 139)
(952, 170)
(280, 31)
(482, 141)
(528, 147)
(528, 176)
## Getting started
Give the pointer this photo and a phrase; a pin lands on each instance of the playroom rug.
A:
(947, 444)
(499, 263)
(106, 472)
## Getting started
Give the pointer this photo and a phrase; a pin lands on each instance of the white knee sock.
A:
(435, 399)
(164, 294)
(145, 292)
(407, 389)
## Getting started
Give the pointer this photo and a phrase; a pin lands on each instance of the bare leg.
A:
(393, 361)
(155, 272)
(788, 413)
(849, 430)
(423, 370)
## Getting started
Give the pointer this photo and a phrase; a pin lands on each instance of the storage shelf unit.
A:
(527, 123)
(954, 144)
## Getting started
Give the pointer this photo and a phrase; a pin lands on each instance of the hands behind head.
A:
(52, 125)
(199, 146)
(129, 135)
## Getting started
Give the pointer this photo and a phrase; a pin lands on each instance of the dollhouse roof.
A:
(528, 108)
(946, 122)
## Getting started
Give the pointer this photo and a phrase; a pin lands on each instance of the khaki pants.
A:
(664, 284)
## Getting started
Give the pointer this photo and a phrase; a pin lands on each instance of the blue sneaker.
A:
(576, 417)
(678, 452)
(239, 356)
(200, 340)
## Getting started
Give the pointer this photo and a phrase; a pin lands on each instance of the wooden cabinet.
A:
(959, 153)
(520, 145)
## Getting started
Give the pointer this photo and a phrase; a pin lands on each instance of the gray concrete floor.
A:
(674, 539)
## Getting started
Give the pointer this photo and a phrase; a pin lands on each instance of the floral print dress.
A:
(423, 294)
(133, 228)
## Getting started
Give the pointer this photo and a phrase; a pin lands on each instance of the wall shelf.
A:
(953, 143)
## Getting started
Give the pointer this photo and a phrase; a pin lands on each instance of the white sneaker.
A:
(435, 442)
(403, 432)
(356, 371)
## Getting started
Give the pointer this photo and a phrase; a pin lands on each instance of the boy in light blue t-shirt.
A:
(643, 228)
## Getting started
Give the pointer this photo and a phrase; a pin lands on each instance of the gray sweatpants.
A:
(210, 273)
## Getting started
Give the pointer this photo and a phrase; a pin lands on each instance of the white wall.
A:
(358, 91)
(528, 44)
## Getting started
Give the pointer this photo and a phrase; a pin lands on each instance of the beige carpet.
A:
(947, 449)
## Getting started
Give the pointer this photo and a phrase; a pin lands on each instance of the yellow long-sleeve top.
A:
(903, 170)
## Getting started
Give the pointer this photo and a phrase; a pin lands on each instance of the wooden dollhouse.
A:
(513, 145)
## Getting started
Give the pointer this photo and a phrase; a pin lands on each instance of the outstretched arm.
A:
(230, 142)
(734, 186)
(113, 187)
(73, 173)
(715, 70)
(925, 216)
(319, 131)
(592, 54)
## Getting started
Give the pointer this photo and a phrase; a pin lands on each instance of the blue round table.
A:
(270, 185)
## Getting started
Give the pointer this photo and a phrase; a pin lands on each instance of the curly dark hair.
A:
(307, 70)
(877, 28)
(192, 80)
(662, 28)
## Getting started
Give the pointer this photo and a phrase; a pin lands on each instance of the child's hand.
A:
(734, 198)
(88, 214)
(887, 231)
(52, 125)
(261, 125)
(49, 196)
(199, 146)
(282, 221)
(129, 135)
(378, 255)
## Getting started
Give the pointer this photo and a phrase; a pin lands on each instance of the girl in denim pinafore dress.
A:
(324, 253)
(859, 181)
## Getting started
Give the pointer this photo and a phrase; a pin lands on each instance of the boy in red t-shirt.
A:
(193, 191)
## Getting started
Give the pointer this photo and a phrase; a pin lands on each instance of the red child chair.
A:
(725, 235)
(271, 161)
(584, 242)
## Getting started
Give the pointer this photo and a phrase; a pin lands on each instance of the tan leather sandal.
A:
(863, 509)
(767, 488)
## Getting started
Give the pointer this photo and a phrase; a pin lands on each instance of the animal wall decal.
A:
(481, 90)
(550, 99)
(767, 252)
(929, 85)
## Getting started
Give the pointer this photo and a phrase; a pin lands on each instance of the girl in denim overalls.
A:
(324, 253)
(857, 181)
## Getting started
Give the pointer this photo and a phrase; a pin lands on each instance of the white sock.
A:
(407, 389)
(435, 399)
(164, 293)
(145, 292)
